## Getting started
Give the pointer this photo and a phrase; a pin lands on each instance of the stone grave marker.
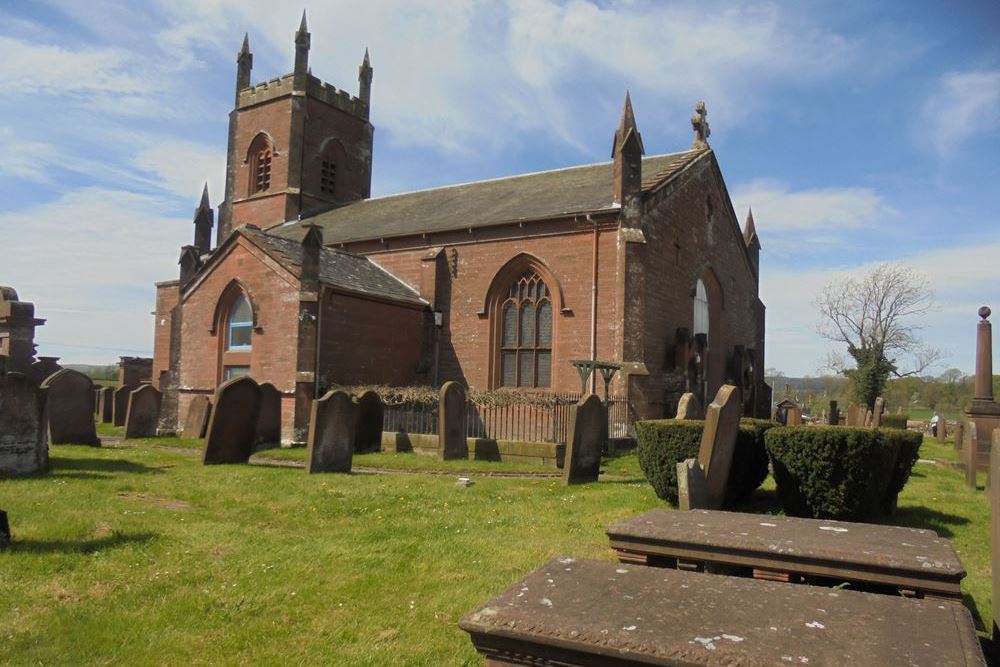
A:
(120, 405)
(106, 403)
(143, 412)
(196, 421)
(97, 403)
(4, 529)
(451, 422)
(584, 441)
(969, 451)
(232, 427)
(852, 415)
(332, 430)
(688, 407)
(959, 435)
(371, 419)
(877, 412)
(24, 445)
(994, 473)
(692, 489)
(833, 417)
(718, 440)
(269, 419)
(70, 408)
(793, 416)
(868, 418)
(942, 428)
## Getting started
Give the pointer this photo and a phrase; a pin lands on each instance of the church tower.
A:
(297, 145)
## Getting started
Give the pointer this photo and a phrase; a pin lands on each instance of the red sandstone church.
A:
(498, 283)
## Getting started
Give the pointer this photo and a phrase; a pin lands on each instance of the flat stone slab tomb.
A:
(580, 612)
(908, 561)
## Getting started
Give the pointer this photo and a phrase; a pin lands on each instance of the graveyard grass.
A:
(144, 556)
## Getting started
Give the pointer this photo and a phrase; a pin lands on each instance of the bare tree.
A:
(877, 317)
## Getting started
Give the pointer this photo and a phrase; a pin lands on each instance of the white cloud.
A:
(778, 208)
(183, 167)
(964, 105)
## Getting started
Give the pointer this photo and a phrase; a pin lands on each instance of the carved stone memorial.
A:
(24, 445)
(584, 441)
(688, 407)
(196, 421)
(232, 428)
(143, 412)
(332, 427)
(70, 408)
(715, 456)
(120, 408)
(833, 417)
(106, 405)
(269, 419)
(451, 422)
(371, 419)
(877, 412)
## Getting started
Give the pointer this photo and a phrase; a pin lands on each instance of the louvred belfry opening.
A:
(526, 334)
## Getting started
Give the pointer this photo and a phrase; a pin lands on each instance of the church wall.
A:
(368, 342)
(466, 344)
(681, 244)
(266, 208)
(275, 296)
(167, 296)
(351, 151)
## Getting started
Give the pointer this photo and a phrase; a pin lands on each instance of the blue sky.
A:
(859, 132)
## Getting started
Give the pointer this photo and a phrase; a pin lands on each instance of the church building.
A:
(311, 282)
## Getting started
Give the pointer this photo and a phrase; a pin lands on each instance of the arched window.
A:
(239, 327)
(328, 176)
(260, 155)
(701, 312)
(526, 334)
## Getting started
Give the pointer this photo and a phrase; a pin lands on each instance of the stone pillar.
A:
(982, 410)
(834, 415)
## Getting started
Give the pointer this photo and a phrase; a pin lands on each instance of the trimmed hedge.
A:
(662, 443)
(840, 472)
(895, 421)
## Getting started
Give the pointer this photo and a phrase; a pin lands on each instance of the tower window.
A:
(526, 334)
(328, 177)
(262, 171)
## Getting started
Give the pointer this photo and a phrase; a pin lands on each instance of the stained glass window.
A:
(526, 334)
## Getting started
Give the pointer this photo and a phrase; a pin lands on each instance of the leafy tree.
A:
(877, 318)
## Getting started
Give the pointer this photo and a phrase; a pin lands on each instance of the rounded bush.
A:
(895, 421)
(663, 443)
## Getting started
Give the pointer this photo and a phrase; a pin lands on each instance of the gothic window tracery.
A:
(261, 153)
(526, 334)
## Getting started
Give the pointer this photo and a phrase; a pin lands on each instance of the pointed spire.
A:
(626, 127)
(302, 41)
(245, 50)
(365, 80)
(204, 198)
(244, 64)
(204, 220)
(750, 230)
(367, 61)
(699, 123)
(303, 27)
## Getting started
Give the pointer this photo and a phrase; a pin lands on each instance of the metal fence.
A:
(530, 421)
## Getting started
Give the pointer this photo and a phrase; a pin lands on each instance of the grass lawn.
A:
(408, 461)
(143, 556)
(930, 448)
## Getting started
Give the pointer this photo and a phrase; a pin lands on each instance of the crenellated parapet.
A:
(315, 88)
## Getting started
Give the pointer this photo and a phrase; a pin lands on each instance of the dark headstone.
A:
(853, 415)
(833, 417)
(877, 412)
(43, 368)
(959, 435)
(969, 453)
(70, 408)
(583, 441)
(24, 445)
(371, 419)
(688, 407)
(4, 530)
(106, 411)
(232, 428)
(143, 412)
(120, 405)
(332, 427)
(196, 422)
(269, 420)
(942, 428)
(451, 422)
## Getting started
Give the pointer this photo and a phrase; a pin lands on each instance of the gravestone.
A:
(106, 411)
(451, 422)
(718, 440)
(688, 407)
(877, 412)
(852, 415)
(196, 421)
(692, 489)
(959, 435)
(232, 428)
(584, 441)
(833, 417)
(70, 408)
(371, 419)
(994, 473)
(143, 412)
(793, 416)
(24, 445)
(942, 428)
(983, 410)
(4, 529)
(97, 403)
(120, 405)
(269, 419)
(969, 454)
(868, 418)
(332, 430)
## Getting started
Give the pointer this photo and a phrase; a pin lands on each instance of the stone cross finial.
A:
(699, 123)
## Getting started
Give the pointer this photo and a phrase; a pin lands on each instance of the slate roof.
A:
(519, 198)
(339, 269)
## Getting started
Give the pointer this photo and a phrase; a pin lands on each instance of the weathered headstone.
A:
(232, 428)
(970, 454)
(4, 529)
(120, 408)
(143, 412)
(332, 427)
(718, 441)
(371, 419)
(584, 443)
(833, 417)
(70, 408)
(877, 412)
(942, 428)
(269, 419)
(688, 407)
(959, 435)
(793, 416)
(692, 491)
(451, 422)
(97, 403)
(24, 446)
(196, 421)
(868, 418)
(106, 411)
(853, 412)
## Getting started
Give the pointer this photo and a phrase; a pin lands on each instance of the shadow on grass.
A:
(78, 546)
(919, 516)
(970, 604)
(761, 501)
(90, 468)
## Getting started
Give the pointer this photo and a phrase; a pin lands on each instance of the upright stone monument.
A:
(332, 427)
(877, 412)
(24, 445)
(833, 416)
(70, 408)
(853, 415)
(584, 441)
(371, 420)
(970, 460)
(942, 428)
(196, 421)
(106, 411)
(868, 418)
(143, 412)
(715, 456)
(232, 428)
(793, 416)
(994, 473)
(269, 420)
(982, 410)
(121, 405)
(688, 407)
(451, 422)
(959, 435)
